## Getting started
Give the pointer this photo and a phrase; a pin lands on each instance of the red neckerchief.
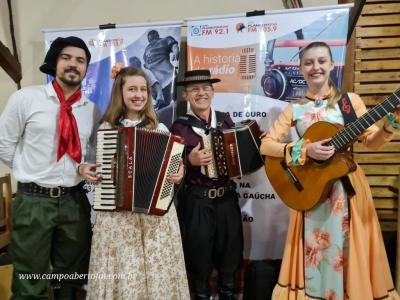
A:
(68, 135)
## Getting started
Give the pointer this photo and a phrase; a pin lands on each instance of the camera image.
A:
(284, 81)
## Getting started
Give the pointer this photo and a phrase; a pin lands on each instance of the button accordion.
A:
(135, 165)
(235, 150)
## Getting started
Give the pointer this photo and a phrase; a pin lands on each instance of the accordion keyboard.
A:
(104, 196)
(167, 187)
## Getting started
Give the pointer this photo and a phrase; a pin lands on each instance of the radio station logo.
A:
(239, 27)
(195, 31)
(206, 30)
(262, 27)
(105, 43)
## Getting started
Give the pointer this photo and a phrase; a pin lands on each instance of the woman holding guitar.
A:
(334, 249)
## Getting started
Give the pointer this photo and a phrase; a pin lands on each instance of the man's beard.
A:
(71, 82)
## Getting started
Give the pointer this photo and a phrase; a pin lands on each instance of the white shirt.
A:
(201, 132)
(28, 136)
(132, 123)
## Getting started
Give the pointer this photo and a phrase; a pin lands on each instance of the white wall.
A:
(30, 16)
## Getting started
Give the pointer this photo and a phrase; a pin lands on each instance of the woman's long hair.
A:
(116, 110)
(336, 94)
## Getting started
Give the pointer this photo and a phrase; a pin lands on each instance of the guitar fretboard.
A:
(344, 137)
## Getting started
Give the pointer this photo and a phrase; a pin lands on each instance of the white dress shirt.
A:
(29, 141)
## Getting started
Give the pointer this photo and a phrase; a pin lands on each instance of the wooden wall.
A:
(377, 75)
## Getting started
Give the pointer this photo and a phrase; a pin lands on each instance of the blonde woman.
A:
(134, 255)
(335, 250)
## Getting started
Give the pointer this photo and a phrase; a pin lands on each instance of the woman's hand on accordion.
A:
(200, 157)
(89, 173)
(177, 177)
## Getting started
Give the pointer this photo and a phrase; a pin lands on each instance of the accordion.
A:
(135, 164)
(235, 150)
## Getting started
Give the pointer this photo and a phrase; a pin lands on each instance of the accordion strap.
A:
(143, 123)
(191, 120)
(220, 116)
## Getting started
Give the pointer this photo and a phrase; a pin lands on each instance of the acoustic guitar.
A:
(302, 187)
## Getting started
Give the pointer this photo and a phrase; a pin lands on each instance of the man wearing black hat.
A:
(208, 207)
(46, 133)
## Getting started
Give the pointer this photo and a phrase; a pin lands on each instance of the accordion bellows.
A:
(135, 165)
(235, 150)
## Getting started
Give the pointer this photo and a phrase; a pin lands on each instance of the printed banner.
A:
(153, 47)
(257, 59)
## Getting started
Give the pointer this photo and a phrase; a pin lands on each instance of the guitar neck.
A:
(346, 136)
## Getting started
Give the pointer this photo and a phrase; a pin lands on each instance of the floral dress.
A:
(326, 226)
(335, 250)
(136, 256)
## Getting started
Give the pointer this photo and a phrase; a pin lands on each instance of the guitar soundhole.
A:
(322, 162)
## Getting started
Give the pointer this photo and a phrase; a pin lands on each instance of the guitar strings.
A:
(352, 131)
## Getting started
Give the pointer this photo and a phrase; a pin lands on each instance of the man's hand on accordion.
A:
(177, 177)
(200, 157)
(88, 172)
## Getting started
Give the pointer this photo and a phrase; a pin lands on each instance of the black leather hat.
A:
(197, 76)
(50, 61)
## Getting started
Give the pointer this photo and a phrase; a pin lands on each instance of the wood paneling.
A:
(377, 53)
(379, 20)
(382, 192)
(384, 8)
(377, 65)
(376, 76)
(374, 157)
(371, 100)
(385, 204)
(393, 146)
(387, 215)
(382, 180)
(380, 88)
(378, 42)
(377, 31)
(379, 169)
